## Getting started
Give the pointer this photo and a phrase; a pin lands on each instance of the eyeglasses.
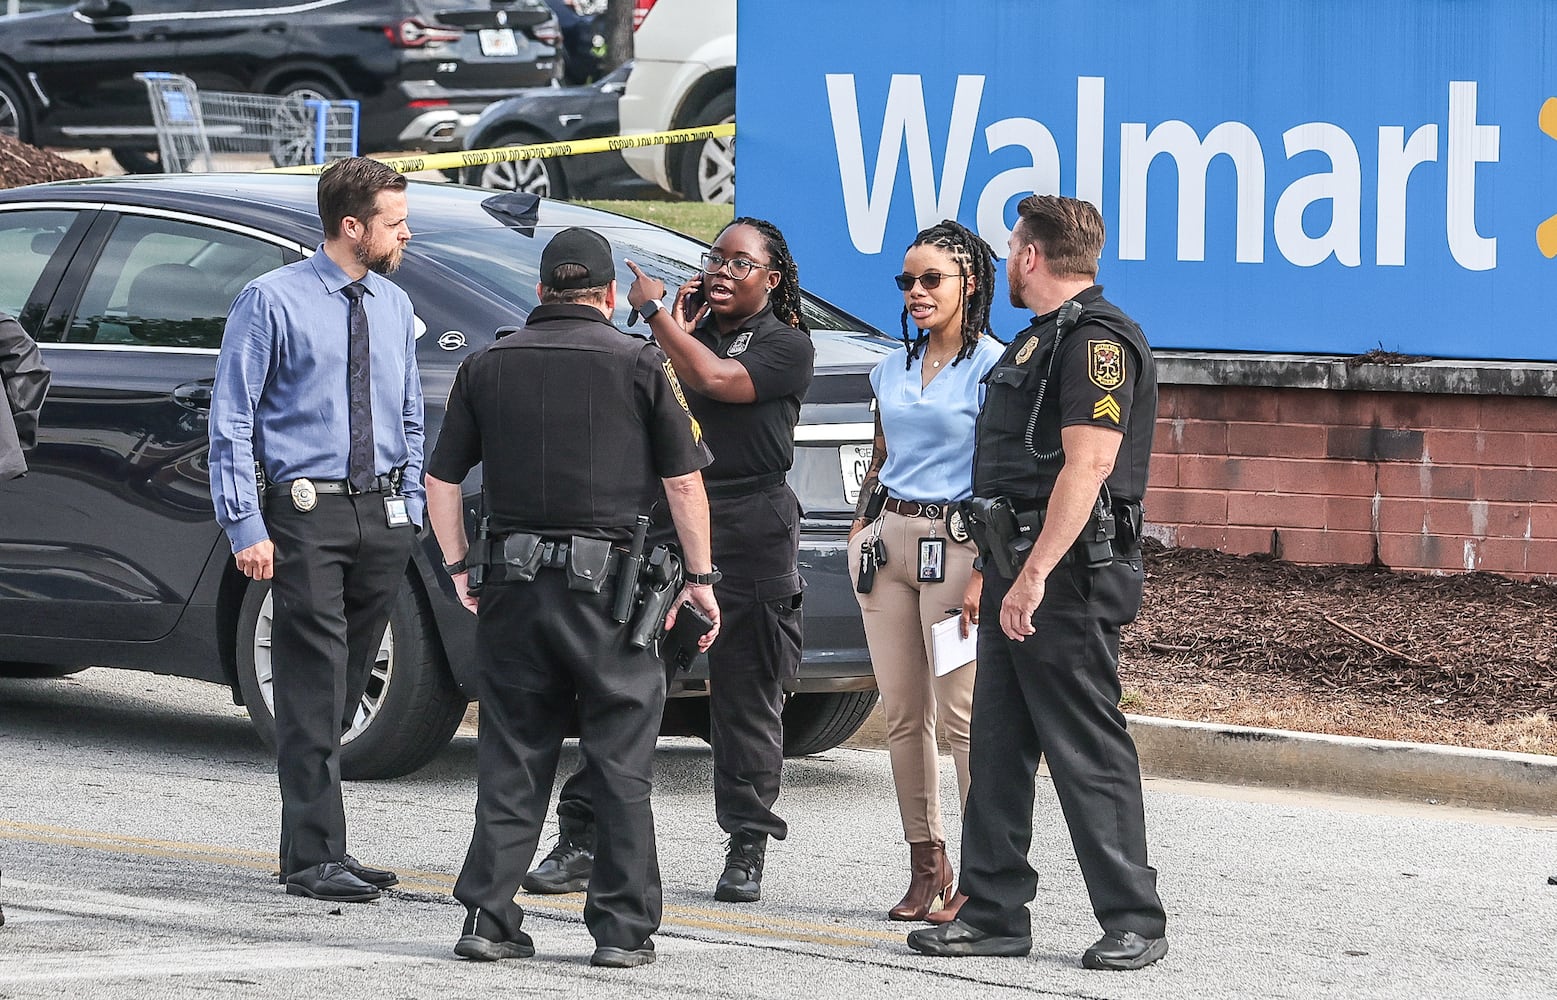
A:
(739, 267)
(930, 280)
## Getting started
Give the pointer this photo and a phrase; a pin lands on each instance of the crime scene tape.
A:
(482, 157)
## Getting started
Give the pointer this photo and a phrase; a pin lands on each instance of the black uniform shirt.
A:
(1104, 375)
(751, 439)
(575, 421)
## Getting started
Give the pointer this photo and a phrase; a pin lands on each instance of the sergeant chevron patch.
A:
(1106, 408)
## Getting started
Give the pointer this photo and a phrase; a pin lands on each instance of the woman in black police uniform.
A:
(745, 359)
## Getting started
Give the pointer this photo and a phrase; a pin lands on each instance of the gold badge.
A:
(1027, 350)
(304, 496)
(675, 387)
(1106, 364)
(1106, 408)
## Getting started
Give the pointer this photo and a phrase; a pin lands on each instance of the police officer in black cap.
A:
(578, 427)
(1060, 467)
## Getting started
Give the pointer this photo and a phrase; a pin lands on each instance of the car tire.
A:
(412, 706)
(37, 670)
(543, 177)
(817, 722)
(15, 117)
(708, 168)
(292, 137)
(138, 161)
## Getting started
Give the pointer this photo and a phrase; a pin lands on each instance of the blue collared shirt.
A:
(280, 395)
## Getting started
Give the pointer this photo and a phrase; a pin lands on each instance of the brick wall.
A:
(1413, 481)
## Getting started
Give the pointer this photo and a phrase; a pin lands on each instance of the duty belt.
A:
(723, 489)
(589, 562)
(917, 508)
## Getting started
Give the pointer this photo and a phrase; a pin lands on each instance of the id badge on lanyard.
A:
(395, 513)
(932, 558)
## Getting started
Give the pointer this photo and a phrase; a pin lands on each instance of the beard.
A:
(387, 262)
(1013, 285)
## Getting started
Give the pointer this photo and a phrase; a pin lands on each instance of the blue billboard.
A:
(1312, 176)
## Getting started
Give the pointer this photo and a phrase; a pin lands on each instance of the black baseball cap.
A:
(584, 247)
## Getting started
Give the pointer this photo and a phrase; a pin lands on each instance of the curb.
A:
(1346, 765)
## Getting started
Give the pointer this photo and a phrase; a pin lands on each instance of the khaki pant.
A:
(898, 613)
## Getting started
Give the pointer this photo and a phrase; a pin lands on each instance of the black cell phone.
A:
(690, 305)
(679, 646)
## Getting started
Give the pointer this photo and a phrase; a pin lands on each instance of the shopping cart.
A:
(193, 126)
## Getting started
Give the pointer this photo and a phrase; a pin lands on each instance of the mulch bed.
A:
(23, 164)
(1471, 646)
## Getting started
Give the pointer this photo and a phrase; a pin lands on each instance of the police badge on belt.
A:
(305, 497)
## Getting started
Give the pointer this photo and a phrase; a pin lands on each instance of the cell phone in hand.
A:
(691, 305)
(679, 646)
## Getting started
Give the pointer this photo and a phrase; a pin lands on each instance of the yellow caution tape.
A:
(482, 157)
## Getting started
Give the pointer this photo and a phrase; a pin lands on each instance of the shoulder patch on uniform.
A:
(1105, 364)
(1027, 350)
(739, 344)
(1106, 408)
(675, 388)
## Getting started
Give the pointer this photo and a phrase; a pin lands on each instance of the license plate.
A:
(854, 460)
(498, 42)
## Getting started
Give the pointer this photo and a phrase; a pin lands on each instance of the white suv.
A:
(683, 75)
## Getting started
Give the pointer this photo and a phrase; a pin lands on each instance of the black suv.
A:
(67, 69)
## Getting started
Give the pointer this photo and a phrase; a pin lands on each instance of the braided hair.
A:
(785, 299)
(974, 258)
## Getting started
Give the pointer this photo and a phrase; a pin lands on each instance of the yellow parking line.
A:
(757, 923)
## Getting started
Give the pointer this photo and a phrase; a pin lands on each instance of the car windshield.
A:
(507, 261)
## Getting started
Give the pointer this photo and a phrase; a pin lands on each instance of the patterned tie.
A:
(359, 379)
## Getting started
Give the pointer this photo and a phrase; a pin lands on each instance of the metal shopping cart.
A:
(194, 126)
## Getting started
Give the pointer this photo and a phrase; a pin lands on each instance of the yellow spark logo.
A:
(1546, 232)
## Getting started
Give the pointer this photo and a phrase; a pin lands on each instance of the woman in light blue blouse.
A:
(912, 566)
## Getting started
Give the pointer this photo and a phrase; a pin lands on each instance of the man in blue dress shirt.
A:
(317, 394)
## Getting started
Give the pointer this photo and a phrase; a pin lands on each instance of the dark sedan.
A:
(108, 551)
(558, 114)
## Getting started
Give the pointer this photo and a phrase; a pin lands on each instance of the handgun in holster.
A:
(1003, 536)
(659, 583)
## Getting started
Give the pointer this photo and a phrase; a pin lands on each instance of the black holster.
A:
(658, 584)
(1003, 536)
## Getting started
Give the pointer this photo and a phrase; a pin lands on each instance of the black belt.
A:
(389, 483)
(917, 508)
(722, 489)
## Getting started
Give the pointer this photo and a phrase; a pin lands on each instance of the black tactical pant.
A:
(756, 540)
(338, 568)
(546, 650)
(1057, 695)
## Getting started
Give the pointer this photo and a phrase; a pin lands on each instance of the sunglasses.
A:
(930, 280)
(739, 267)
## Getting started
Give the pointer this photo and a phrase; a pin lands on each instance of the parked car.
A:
(557, 114)
(67, 70)
(109, 553)
(684, 75)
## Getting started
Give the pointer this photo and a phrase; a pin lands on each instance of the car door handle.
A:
(194, 395)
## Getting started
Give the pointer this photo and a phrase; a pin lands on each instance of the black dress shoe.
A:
(623, 958)
(1122, 950)
(743, 861)
(332, 882)
(959, 940)
(482, 940)
(379, 878)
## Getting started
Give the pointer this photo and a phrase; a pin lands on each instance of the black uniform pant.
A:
(337, 569)
(545, 650)
(1057, 695)
(756, 541)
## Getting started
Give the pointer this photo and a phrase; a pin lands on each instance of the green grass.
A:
(694, 218)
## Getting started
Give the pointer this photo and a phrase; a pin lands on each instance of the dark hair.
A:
(564, 274)
(976, 259)
(785, 299)
(350, 187)
(1069, 231)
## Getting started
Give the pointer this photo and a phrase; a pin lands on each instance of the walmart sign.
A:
(1315, 176)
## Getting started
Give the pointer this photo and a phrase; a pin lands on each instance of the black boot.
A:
(481, 940)
(742, 878)
(568, 867)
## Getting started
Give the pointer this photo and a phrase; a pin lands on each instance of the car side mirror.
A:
(103, 9)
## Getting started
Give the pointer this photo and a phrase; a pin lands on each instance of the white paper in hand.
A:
(949, 649)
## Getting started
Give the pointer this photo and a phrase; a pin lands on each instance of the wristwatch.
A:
(455, 568)
(649, 308)
(708, 579)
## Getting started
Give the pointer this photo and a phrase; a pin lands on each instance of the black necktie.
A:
(359, 384)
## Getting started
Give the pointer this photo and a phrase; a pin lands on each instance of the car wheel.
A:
(708, 168)
(409, 711)
(292, 124)
(138, 161)
(14, 120)
(817, 722)
(540, 177)
(37, 670)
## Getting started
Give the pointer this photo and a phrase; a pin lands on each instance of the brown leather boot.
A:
(929, 884)
(947, 913)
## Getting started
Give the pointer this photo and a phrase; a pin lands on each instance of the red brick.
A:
(1351, 479)
(1191, 437)
(1541, 450)
(1517, 413)
(1423, 552)
(1238, 541)
(1218, 473)
(1276, 510)
(1322, 406)
(1541, 559)
(1534, 485)
(1472, 447)
(1170, 400)
(1447, 482)
(1406, 516)
(1199, 536)
(1373, 444)
(1303, 545)
(1276, 440)
(1254, 404)
(1349, 513)
(1477, 518)
(1543, 521)
(1502, 555)
(1181, 506)
(1424, 410)
(1164, 471)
